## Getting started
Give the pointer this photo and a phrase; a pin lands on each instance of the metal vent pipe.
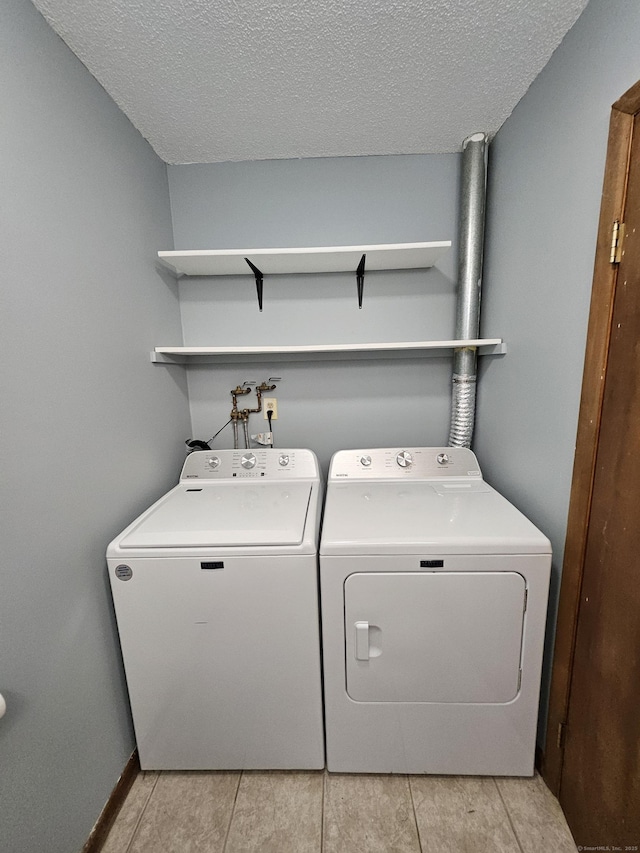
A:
(472, 210)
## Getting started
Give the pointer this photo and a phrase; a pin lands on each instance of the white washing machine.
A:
(216, 597)
(434, 598)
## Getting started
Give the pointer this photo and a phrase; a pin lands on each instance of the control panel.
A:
(415, 463)
(256, 464)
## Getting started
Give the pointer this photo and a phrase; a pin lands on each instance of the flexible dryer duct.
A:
(472, 209)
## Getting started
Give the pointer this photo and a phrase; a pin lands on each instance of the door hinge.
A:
(526, 598)
(519, 679)
(617, 239)
(562, 731)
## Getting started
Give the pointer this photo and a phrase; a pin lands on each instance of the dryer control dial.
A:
(404, 459)
(442, 459)
(213, 462)
(283, 460)
(365, 461)
(248, 460)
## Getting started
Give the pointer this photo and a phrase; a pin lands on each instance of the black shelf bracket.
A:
(360, 280)
(259, 280)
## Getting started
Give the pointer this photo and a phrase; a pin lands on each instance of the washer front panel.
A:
(223, 661)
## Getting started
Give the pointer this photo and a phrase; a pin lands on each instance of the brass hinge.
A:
(617, 239)
(562, 731)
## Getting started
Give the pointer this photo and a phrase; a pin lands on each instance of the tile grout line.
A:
(233, 808)
(415, 816)
(511, 824)
(324, 777)
(142, 811)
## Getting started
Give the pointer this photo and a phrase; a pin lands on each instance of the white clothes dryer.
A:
(216, 597)
(434, 598)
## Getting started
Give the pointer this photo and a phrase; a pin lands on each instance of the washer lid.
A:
(224, 514)
(454, 517)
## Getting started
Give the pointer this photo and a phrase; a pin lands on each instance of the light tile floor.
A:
(319, 812)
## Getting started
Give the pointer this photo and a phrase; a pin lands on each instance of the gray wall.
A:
(546, 170)
(342, 201)
(91, 430)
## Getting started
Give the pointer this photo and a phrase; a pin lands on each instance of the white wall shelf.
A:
(325, 259)
(313, 352)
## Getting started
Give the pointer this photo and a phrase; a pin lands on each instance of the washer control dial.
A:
(365, 461)
(248, 460)
(404, 459)
(213, 462)
(442, 459)
(283, 460)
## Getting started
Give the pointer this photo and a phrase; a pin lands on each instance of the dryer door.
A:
(434, 637)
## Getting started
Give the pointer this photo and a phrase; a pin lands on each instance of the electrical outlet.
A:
(270, 405)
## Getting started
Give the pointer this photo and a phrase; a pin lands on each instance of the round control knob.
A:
(248, 460)
(404, 459)
(442, 459)
(365, 461)
(213, 462)
(283, 460)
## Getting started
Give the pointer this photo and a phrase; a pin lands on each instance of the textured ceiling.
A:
(213, 80)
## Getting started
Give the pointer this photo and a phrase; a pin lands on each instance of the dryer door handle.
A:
(362, 640)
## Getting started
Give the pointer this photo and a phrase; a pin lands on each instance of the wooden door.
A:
(600, 771)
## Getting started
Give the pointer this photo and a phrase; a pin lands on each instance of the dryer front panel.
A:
(445, 637)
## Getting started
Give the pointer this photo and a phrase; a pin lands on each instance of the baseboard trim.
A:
(98, 836)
